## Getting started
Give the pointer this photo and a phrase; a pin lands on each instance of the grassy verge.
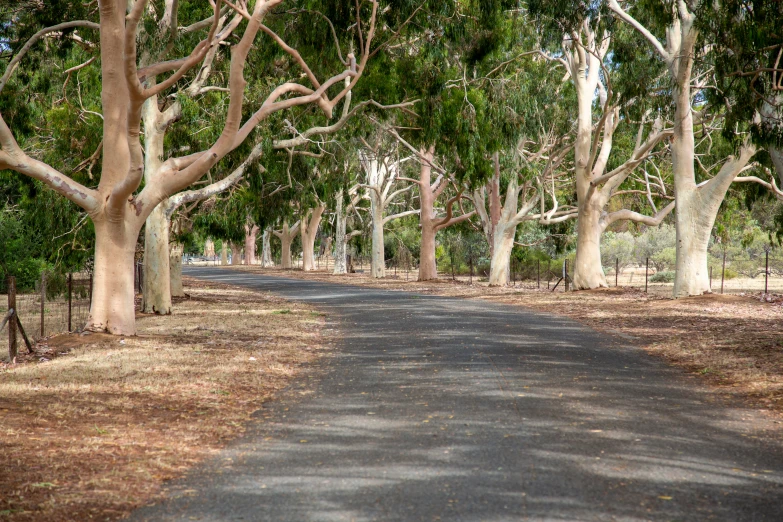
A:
(92, 425)
(734, 342)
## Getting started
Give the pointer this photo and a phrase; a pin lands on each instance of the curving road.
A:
(445, 409)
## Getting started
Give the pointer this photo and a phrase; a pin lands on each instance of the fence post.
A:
(710, 279)
(616, 271)
(538, 275)
(723, 271)
(646, 272)
(11, 322)
(565, 275)
(766, 272)
(43, 302)
(70, 298)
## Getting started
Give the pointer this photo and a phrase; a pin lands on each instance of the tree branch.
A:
(12, 65)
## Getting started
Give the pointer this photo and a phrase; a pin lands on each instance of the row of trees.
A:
(234, 119)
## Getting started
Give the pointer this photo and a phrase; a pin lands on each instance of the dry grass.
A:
(93, 431)
(734, 342)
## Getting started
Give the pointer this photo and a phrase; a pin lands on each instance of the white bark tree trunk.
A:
(503, 239)
(697, 206)
(112, 308)
(340, 241)
(224, 253)
(588, 269)
(693, 227)
(156, 295)
(156, 290)
(177, 289)
(287, 236)
(266, 249)
(378, 264)
(309, 228)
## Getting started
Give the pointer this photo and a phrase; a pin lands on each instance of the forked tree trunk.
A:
(378, 265)
(156, 295)
(340, 241)
(177, 289)
(697, 205)
(266, 249)
(236, 254)
(287, 236)
(224, 253)
(251, 232)
(310, 226)
(112, 308)
(430, 224)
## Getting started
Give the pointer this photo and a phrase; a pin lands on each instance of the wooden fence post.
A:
(616, 271)
(565, 275)
(646, 273)
(12, 323)
(538, 276)
(723, 271)
(766, 272)
(43, 303)
(70, 299)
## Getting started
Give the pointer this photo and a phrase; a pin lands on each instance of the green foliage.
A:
(666, 276)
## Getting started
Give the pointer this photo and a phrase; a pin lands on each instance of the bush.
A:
(663, 277)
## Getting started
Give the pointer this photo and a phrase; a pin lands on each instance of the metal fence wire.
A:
(55, 304)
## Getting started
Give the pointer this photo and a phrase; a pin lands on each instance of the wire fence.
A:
(55, 304)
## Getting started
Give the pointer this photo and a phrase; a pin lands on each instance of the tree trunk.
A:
(224, 253)
(156, 295)
(340, 242)
(588, 269)
(694, 222)
(177, 289)
(266, 249)
(427, 264)
(504, 234)
(236, 254)
(113, 295)
(378, 265)
(285, 258)
(156, 290)
(251, 232)
(310, 226)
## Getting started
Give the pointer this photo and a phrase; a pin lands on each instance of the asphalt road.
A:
(446, 409)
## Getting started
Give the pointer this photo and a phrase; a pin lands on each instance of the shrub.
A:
(663, 277)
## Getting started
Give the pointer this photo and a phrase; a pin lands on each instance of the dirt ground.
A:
(91, 426)
(734, 342)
